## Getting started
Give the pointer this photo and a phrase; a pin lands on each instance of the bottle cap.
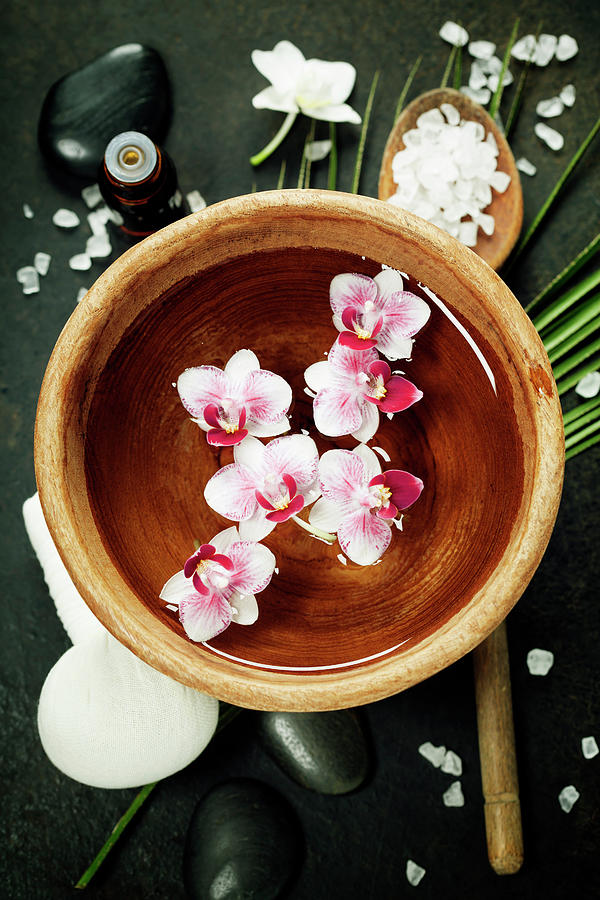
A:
(130, 157)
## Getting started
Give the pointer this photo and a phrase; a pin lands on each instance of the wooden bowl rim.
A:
(59, 457)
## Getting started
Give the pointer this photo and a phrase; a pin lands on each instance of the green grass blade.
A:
(576, 359)
(580, 410)
(458, 69)
(518, 98)
(565, 384)
(363, 134)
(566, 300)
(448, 68)
(281, 179)
(574, 449)
(495, 104)
(406, 88)
(584, 313)
(581, 422)
(567, 273)
(333, 159)
(553, 194)
(309, 139)
(581, 435)
(580, 335)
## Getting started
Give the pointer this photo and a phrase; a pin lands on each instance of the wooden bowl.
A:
(121, 467)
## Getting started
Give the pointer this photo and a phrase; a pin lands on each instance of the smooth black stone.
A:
(126, 89)
(323, 751)
(244, 842)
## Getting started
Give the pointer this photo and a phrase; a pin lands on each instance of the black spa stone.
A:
(324, 751)
(125, 89)
(243, 843)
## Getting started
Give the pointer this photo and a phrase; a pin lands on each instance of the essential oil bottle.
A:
(138, 180)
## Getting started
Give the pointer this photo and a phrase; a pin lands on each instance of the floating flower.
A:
(265, 485)
(351, 387)
(217, 585)
(377, 312)
(360, 501)
(242, 399)
(314, 87)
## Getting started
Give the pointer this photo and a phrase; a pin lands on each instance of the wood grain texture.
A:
(507, 208)
(121, 468)
(497, 754)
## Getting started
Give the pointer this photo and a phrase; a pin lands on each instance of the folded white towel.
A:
(105, 717)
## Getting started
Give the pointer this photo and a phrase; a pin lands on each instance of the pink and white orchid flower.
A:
(360, 501)
(377, 312)
(236, 401)
(351, 387)
(265, 485)
(217, 585)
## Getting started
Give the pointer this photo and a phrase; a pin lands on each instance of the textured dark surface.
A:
(356, 845)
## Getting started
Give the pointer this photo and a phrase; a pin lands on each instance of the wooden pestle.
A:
(497, 753)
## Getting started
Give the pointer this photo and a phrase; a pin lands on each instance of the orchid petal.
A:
(199, 585)
(266, 429)
(256, 527)
(318, 376)
(405, 314)
(349, 363)
(267, 396)
(369, 425)
(249, 453)
(387, 512)
(218, 437)
(339, 112)
(240, 364)
(400, 394)
(211, 415)
(363, 537)
(380, 368)
(296, 455)
(230, 492)
(333, 81)
(224, 539)
(282, 515)
(205, 551)
(392, 347)
(337, 412)
(272, 98)
(204, 617)
(340, 473)
(282, 66)
(405, 488)
(201, 385)
(326, 514)
(177, 589)
(254, 565)
(290, 483)
(262, 501)
(352, 340)
(223, 560)
(371, 461)
(388, 281)
(245, 608)
(351, 290)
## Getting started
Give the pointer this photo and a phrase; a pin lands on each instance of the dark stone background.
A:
(357, 846)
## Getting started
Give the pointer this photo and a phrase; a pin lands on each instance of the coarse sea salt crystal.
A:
(27, 211)
(493, 80)
(195, 201)
(477, 78)
(81, 294)
(567, 95)
(454, 795)
(481, 96)
(451, 113)
(434, 755)
(65, 218)
(550, 108)
(452, 764)
(588, 386)
(29, 279)
(491, 66)
(91, 195)
(317, 150)
(486, 222)
(414, 872)
(524, 48)
(482, 49)
(467, 233)
(454, 34)
(97, 220)
(589, 747)
(499, 181)
(549, 136)
(98, 246)
(545, 49)
(81, 262)
(523, 165)
(568, 797)
(539, 662)
(41, 262)
(566, 48)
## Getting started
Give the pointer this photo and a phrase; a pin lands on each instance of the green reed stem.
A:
(565, 384)
(274, 142)
(567, 273)
(566, 300)
(581, 422)
(577, 447)
(333, 158)
(580, 410)
(363, 134)
(518, 98)
(406, 88)
(281, 179)
(581, 435)
(495, 104)
(576, 359)
(448, 68)
(309, 139)
(577, 338)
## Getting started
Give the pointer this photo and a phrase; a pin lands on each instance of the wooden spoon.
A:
(507, 208)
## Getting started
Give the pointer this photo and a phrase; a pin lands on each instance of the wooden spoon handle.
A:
(497, 753)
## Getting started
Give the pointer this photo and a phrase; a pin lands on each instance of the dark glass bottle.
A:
(138, 180)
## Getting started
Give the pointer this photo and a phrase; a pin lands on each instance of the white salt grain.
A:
(27, 211)
(65, 218)
(91, 195)
(545, 49)
(98, 246)
(481, 96)
(304, 431)
(567, 95)
(172, 607)
(454, 34)
(80, 262)
(414, 872)
(81, 294)
(41, 261)
(493, 80)
(589, 747)
(195, 201)
(452, 764)
(566, 48)
(434, 755)
(589, 385)
(97, 220)
(477, 78)
(29, 279)
(467, 233)
(499, 181)
(317, 150)
(524, 48)
(454, 795)
(451, 113)
(523, 165)
(568, 797)
(482, 49)
(549, 136)
(539, 662)
(548, 109)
